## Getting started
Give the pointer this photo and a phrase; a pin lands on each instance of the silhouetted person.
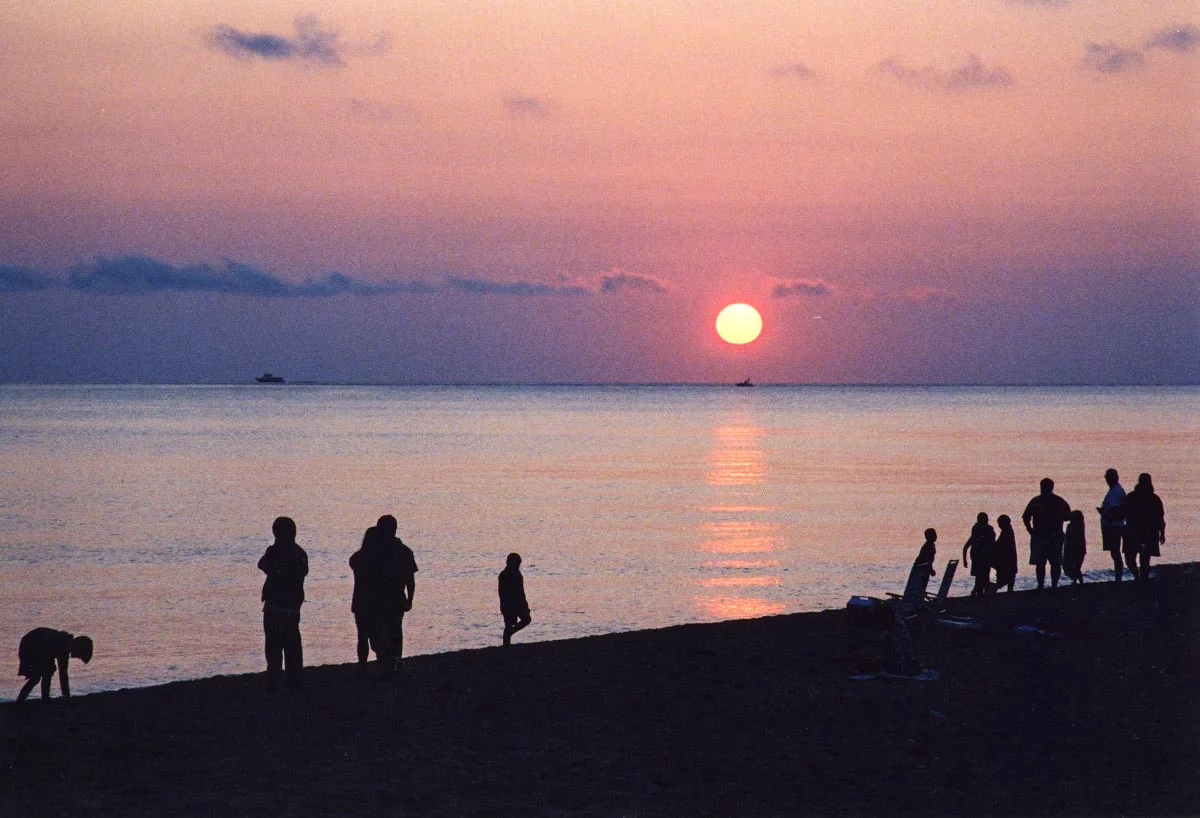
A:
(43, 648)
(1044, 518)
(918, 576)
(1112, 523)
(1005, 556)
(392, 586)
(363, 603)
(1074, 548)
(513, 605)
(286, 566)
(980, 546)
(1146, 524)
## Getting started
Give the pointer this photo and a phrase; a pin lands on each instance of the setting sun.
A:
(739, 324)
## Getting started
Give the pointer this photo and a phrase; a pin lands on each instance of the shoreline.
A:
(1098, 715)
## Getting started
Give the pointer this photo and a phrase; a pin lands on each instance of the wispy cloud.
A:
(616, 280)
(311, 43)
(1180, 39)
(14, 278)
(128, 275)
(1110, 58)
(1047, 3)
(520, 106)
(802, 287)
(970, 75)
(796, 70)
(486, 286)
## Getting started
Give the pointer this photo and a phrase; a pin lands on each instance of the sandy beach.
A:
(1096, 715)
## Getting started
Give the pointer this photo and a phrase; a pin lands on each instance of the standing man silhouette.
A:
(1112, 522)
(394, 584)
(1044, 518)
(286, 566)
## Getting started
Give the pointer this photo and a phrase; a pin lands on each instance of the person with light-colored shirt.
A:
(1112, 521)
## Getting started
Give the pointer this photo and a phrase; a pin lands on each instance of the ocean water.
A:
(136, 514)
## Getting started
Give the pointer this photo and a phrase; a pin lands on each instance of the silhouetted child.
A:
(1074, 548)
(981, 545)
(286, 566)
(513, 605)
(1004, 556)
(40, 650)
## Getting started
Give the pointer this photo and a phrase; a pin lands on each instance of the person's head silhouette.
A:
(1047, 485)
(387, 526)
(1004, 521)
(284, 529)
(81, 648)
(1144, 482)
(514, 560)
(931, 535)
(1111, 477)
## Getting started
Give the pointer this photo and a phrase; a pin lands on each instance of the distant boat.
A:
(744, 383)
(267, 377)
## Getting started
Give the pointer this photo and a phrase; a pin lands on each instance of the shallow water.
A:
(136, 514)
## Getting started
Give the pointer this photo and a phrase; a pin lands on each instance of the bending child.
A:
(40, 650)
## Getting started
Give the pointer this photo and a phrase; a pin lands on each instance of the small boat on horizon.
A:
(744, 383)
(267, 377)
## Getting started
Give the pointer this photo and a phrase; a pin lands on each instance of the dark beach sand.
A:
(746, 718)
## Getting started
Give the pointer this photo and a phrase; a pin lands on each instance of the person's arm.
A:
(265, 562)
(966, 549)
(410, 588)
(64, 681)
(1027, 516)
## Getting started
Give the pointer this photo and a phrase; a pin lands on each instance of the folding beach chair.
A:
(917, 600)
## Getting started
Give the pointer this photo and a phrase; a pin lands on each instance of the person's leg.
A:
(398, 641)
(1130, 550)
(1111, 537)
(364, 638)
(1144, 568)
(293, 650)
(1055, 572)
(1040, 570)
(46, 679)
(27, 689)
(273, 647)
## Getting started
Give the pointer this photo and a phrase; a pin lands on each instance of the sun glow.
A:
(739, 324)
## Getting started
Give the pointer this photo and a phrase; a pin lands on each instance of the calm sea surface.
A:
(136, 514)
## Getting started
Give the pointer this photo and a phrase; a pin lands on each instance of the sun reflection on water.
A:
(738, 523)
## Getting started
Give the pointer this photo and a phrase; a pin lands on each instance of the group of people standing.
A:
(385, 584)
(1132, 527)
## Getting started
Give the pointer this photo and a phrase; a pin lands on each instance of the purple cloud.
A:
(14, 278)
(970, 75)
(484, 286)
(1180, 39)
(311, 43)
(1110, 58)
(525, 106)
(803, 287)
(795, 69)
(132, 275)
(616, 280)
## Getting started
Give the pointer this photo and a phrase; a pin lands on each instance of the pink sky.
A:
(1001, 191)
